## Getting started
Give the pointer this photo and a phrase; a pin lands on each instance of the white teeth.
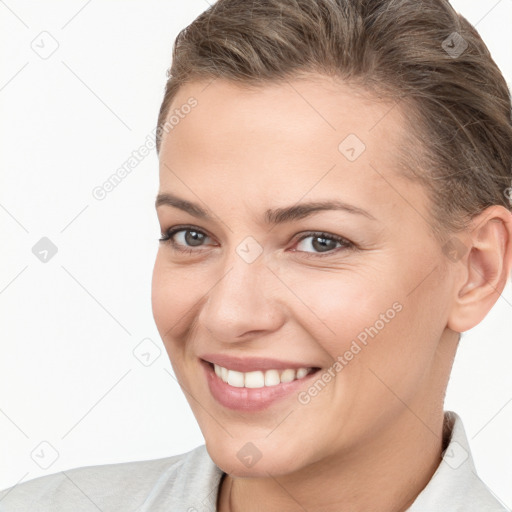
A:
(259, 379)
(254, 380)
(302, 372)
(236, 379)
(272, 378)
(288, 375)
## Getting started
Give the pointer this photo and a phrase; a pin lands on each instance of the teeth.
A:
(288, 375)
(259, 379)
(236, 379)
(302, 372)
(272, 378)
(254, 379)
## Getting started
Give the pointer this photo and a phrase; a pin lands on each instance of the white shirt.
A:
(189, 482)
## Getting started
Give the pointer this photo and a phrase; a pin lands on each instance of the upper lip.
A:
(248, 364)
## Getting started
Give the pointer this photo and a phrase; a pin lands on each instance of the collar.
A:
(455, 486)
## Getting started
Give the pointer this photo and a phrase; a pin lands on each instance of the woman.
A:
(335, 210)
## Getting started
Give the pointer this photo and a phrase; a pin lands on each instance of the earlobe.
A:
(486, 265)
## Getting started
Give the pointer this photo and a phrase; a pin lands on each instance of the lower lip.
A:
(250, 399)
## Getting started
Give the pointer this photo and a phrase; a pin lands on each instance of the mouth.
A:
(260, 378)
(255, 390)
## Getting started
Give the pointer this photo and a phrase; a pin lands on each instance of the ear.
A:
(484, 254)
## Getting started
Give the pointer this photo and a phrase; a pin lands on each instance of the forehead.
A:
(311, 136)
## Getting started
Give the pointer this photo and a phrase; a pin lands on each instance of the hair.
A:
(457, 106)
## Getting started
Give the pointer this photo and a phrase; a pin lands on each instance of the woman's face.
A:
(361, 292)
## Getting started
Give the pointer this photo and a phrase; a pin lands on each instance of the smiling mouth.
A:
(260, 378)
(266, 391)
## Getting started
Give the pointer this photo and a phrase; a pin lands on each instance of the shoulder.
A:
(140, 485)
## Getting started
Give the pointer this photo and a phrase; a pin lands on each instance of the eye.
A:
(325, 243)
(182, 238)
(185, 238)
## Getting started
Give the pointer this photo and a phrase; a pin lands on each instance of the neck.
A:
(385, 473)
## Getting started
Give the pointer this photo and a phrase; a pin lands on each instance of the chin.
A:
(255, 459)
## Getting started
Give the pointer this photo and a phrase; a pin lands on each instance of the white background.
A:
(68, 375)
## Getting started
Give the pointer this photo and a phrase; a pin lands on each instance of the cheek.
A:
(336, 308)
(174, 292)
(368, 320)
(379, 342)
(159, 295)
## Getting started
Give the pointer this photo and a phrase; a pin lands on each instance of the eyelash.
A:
(346, 244)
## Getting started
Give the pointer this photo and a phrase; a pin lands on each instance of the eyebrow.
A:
(272, 216)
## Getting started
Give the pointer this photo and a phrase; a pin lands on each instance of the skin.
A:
(372, 438)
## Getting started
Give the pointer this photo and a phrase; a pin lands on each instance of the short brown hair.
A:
(457, 104)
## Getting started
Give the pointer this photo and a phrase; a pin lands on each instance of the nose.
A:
(244, 302)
